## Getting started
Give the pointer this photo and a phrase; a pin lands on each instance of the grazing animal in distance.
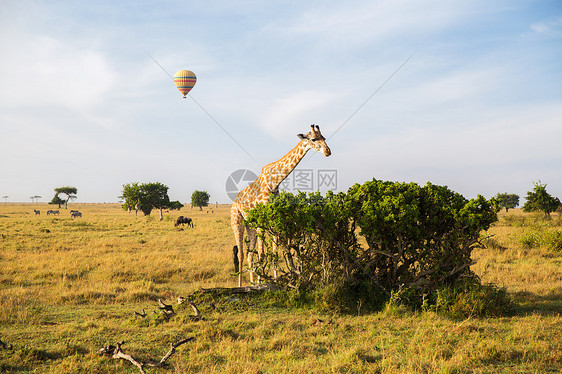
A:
(37, 212)
(75, 213)
(53, 212)
(183, 220)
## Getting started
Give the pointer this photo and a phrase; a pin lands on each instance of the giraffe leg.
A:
(259, 250)
(252, 236)
(237, 223)
(275, 256)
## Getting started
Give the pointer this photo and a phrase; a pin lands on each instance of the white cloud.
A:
(373, 22)
(551, 28)
(42, 71)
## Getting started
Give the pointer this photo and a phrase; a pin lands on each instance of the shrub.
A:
(530, 239)
(418, 237)
(553, 239)
(317, 238)
(473, 299)
(418, 240)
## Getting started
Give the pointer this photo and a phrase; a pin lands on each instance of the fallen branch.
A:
(166, 310)
(197, 315)
(117, 352)
(172, 350)
(142, 315)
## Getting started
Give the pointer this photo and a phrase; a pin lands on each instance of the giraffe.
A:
(267, 183)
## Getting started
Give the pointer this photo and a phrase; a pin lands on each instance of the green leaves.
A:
(314, 235)
(540, 200)
(415, 236)
(70, 193)
(147, 195)
(200, 199)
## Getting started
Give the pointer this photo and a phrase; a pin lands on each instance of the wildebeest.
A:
(181, 220)
(37, 212)
(53, 212)
(75, 213)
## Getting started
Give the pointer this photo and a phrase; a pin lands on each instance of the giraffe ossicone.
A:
(267, 183)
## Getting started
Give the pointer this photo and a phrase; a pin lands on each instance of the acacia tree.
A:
(35, 198)
(507, 201)
(149, 196)
(57, 201)
(200, 199)
(70, 193)
(540, 200)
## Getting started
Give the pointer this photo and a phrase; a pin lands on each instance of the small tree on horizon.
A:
(70, 193)
(57, 201)
(540, 200)
(200, 199)
(507, 201)
(149, 196)
(157, 196)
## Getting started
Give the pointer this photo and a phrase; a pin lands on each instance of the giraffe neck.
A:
(274, 173)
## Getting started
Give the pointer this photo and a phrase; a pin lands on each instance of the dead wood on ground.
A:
(115, 351)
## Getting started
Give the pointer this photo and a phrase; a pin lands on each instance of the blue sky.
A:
(86, 99)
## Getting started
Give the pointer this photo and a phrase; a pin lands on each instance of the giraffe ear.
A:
(301, 136)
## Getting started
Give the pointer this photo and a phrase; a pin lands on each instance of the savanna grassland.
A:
(69, 287)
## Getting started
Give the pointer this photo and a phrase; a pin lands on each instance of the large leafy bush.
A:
(417, 236)
(378, 239)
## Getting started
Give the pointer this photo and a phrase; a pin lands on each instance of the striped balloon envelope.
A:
(184, 81)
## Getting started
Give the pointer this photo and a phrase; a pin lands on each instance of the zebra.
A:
(37, 212)
(75, 213)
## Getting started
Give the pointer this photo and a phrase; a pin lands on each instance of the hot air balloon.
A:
(184, 81)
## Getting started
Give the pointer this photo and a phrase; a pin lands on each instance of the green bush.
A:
(530, 239)
(553, 239)
(316, 236)
(472, 299)
(550, 238)
(418, 239)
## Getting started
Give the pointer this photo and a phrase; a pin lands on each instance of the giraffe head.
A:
(316, 141)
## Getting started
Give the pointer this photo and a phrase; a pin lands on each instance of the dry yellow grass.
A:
(70, 286)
